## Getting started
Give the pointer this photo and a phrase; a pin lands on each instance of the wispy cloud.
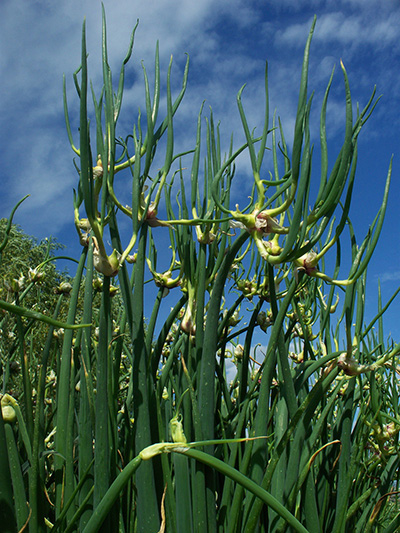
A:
(48, 45)
(354, 30)
(390, 276)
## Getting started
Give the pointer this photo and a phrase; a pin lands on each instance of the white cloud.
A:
(355, 30)
(390, 276)
(43, 42)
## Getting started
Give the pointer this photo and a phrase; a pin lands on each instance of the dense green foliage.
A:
(28, 276)
(262, 400)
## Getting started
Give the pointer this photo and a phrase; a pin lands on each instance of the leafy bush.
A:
(28, 277)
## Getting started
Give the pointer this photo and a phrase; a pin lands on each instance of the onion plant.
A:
(261, 400)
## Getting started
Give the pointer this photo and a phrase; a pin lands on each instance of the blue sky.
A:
(228, 43)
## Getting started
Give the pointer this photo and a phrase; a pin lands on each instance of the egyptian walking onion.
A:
(213, 372)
